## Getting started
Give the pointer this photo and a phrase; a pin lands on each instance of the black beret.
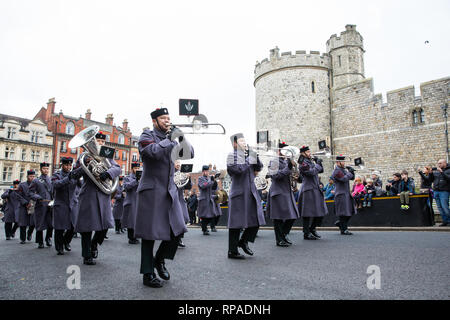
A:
(282, 144)
(66, 160)
(236, 136)
(159, 112)
(30, 172)
(135, 165)
(45, 164)
(100, 135)
(304, 148)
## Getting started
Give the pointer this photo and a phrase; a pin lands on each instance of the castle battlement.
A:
(285, 60)
(349, 37)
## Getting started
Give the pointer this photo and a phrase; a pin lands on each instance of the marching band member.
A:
(245, 210)
(25, 219)
(207, 210)
(311, 203)
(159, 214)
(41, 191)
(183, 203)
(66, 185)
(118, 206)
(95, 214)
(11, 210)
(344, 203)
(130, 186)
(281, 204)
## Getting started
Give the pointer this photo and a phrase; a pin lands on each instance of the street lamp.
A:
(444, 109)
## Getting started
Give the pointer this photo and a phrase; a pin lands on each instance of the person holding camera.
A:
(344, 203)
(311, 203)
(440, 176)
(130, 185)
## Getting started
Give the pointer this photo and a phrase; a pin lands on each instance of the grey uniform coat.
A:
(311, 202)
(245, 209)
(12, 204)
(206, 205)
(159, 211)
(183, 203)
(118, 203)
(95, 212)
(281, 203)
(65, 208)
(24, 198)
(217, 209)
(130, 185)
(41, 191)
(344, 203)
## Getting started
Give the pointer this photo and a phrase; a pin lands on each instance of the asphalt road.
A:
(413, 265)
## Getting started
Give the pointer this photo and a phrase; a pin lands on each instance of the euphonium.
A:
(292, 153)
(97, 165)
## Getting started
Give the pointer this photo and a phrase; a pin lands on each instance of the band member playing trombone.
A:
(245, 210)
(311, 203)
(95, 214)
(281, 204)
(159, 214)
(130, 185)
(66, 185)
(344, 203)
(207, 210)
(41, 191)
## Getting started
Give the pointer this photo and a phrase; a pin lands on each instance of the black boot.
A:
(67, 247)
(315, 234)
(162, 271)
(48, 242)
(89, 261)
(283, 243)
(150, 280)
(309, 236)
(235, 255)
(245, 247)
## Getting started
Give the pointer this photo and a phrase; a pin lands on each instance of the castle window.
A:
(313, 87)
(422, 116)
(415, 117)
(340, 64)
(70, 128)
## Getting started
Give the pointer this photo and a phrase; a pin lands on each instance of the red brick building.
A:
(64, 128)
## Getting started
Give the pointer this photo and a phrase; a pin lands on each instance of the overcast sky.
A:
(128, 57)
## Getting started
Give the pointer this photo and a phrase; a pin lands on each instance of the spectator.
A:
(406, 189)
(378, 183)
(393, 185)
(426, 184)
(192, 205)
(358, 191)
(441, 189)
(329, 189)
(369, 193)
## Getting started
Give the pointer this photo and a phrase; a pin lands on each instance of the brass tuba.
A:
(98, 164)
(292, 153)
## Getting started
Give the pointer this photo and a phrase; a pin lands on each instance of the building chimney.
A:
(125, 125)
(50, 109)
(88, 114)
(109, 119)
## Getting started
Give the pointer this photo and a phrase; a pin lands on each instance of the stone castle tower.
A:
(303, 98)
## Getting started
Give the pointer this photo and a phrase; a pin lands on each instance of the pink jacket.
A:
(358, 188)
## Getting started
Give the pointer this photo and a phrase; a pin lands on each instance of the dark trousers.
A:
(249, 234)
(89, 243)
(310, 224)
(24, 233)
(166, 250)
(205, 222)
(191, 216)
(40, 235)
(282, 228)
(10, 229)
(63, 237)
(130, 234)
(215, 221)
(343, 222)
(118, 224)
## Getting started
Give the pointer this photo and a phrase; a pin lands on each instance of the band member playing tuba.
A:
(344, 203)
(281, 203)
(245, 209)
(311, 203)
(159, 214)
(95, 214)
